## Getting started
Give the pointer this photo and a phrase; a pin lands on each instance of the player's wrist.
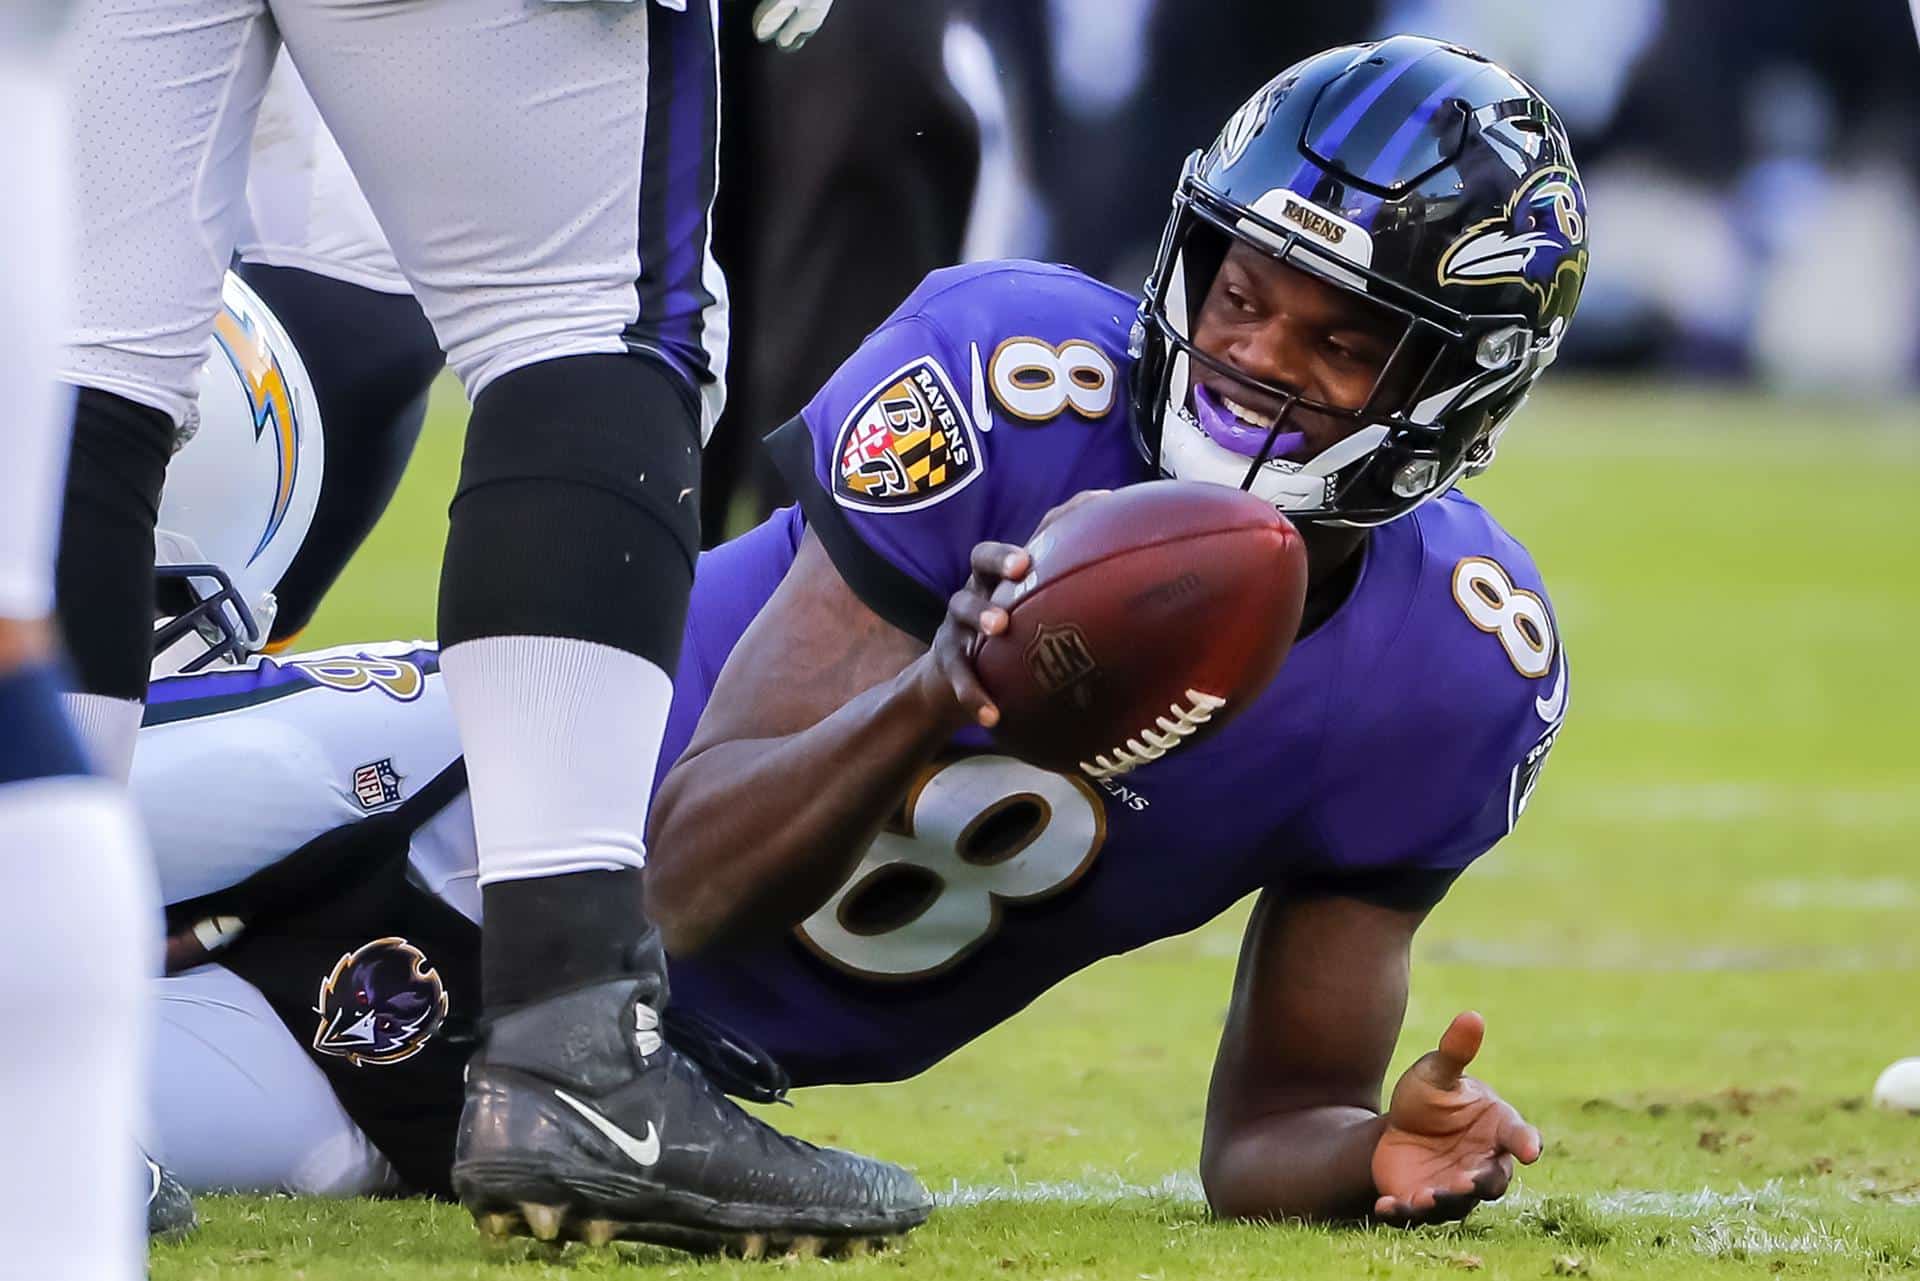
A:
(925, 692)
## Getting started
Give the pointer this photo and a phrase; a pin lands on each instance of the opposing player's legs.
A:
(553, 221)
(318, 258)
(372, 358)
(164, 95)
(71, 864)
(235, 1104)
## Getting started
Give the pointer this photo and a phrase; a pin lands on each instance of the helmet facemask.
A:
(201, 617)
(1391, 453)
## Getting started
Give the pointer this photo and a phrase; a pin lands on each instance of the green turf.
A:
(1694, 955)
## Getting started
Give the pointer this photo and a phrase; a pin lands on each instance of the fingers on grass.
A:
(1490, 1182)
(1451, 1207)
(1519, 1138)
(1395, 1212)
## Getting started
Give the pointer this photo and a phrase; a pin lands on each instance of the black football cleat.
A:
(169, 1209)
(583, 1124)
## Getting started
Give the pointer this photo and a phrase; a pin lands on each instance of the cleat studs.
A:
(856, 1247)
(805, 1247)
(599, 1232)
(753, 1245)
(499, 1224)
(543, 1220)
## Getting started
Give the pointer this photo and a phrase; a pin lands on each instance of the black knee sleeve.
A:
(578, 508)
(103, 581)
(371, 358)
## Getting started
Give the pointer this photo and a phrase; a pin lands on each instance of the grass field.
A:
(1694, 955)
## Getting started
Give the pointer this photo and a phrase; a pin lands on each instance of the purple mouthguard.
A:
(1228, 432)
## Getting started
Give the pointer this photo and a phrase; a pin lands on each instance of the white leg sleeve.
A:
(82, 935)
(33, 274)
(555, 732)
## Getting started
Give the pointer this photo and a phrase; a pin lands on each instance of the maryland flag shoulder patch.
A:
(908, 444)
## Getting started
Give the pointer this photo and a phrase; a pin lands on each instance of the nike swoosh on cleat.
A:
(642, 1151)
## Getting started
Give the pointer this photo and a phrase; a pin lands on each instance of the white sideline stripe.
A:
(1704, 1201)
(1865, 894)
(1718, 1240)
(1741, 802)
(1634, 956)
(1109, 1190)
(1727, 1229)
(1096, 1191)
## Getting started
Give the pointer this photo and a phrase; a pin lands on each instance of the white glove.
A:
(788, 22)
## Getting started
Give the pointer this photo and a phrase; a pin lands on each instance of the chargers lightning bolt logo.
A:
(266, 387)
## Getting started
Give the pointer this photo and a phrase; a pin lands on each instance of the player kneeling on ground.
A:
(1359, 284)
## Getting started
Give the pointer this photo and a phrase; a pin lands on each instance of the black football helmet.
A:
(1422, 177)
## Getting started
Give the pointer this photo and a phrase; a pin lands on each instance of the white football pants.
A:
(544, 173)
(235, 1104)
(81, 919)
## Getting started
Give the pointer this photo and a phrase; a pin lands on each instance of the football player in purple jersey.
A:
(1360, 283)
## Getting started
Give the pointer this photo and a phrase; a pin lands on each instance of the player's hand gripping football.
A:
(972, 616)
(1450, 1141)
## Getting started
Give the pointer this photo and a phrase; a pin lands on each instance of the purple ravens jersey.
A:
(1397, 745)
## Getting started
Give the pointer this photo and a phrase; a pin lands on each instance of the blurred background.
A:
(1752, 164)
(1753, 169)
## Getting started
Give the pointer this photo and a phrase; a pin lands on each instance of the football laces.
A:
(1166, 733)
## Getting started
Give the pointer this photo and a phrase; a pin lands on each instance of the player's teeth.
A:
(1248, 416)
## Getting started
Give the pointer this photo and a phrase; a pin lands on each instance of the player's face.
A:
(1285, 327)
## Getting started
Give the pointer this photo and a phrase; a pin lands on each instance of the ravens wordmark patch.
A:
(907, 444)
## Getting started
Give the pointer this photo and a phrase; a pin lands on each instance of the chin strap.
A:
(1291, 489)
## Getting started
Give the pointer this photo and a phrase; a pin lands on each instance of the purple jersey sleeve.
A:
(968, 415)
(1435, 757)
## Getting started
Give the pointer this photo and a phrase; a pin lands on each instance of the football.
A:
(1898, 1088)
(1150, 616)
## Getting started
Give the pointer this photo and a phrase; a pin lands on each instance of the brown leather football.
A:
(1151, 615)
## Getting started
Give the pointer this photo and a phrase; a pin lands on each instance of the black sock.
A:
(103, 581)
(551, 934)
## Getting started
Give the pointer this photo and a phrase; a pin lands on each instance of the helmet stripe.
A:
(1343, 124)
(271, 403)
(1380, 169)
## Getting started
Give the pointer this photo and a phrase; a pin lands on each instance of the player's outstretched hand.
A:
(972, 616)
(1450, 1141)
